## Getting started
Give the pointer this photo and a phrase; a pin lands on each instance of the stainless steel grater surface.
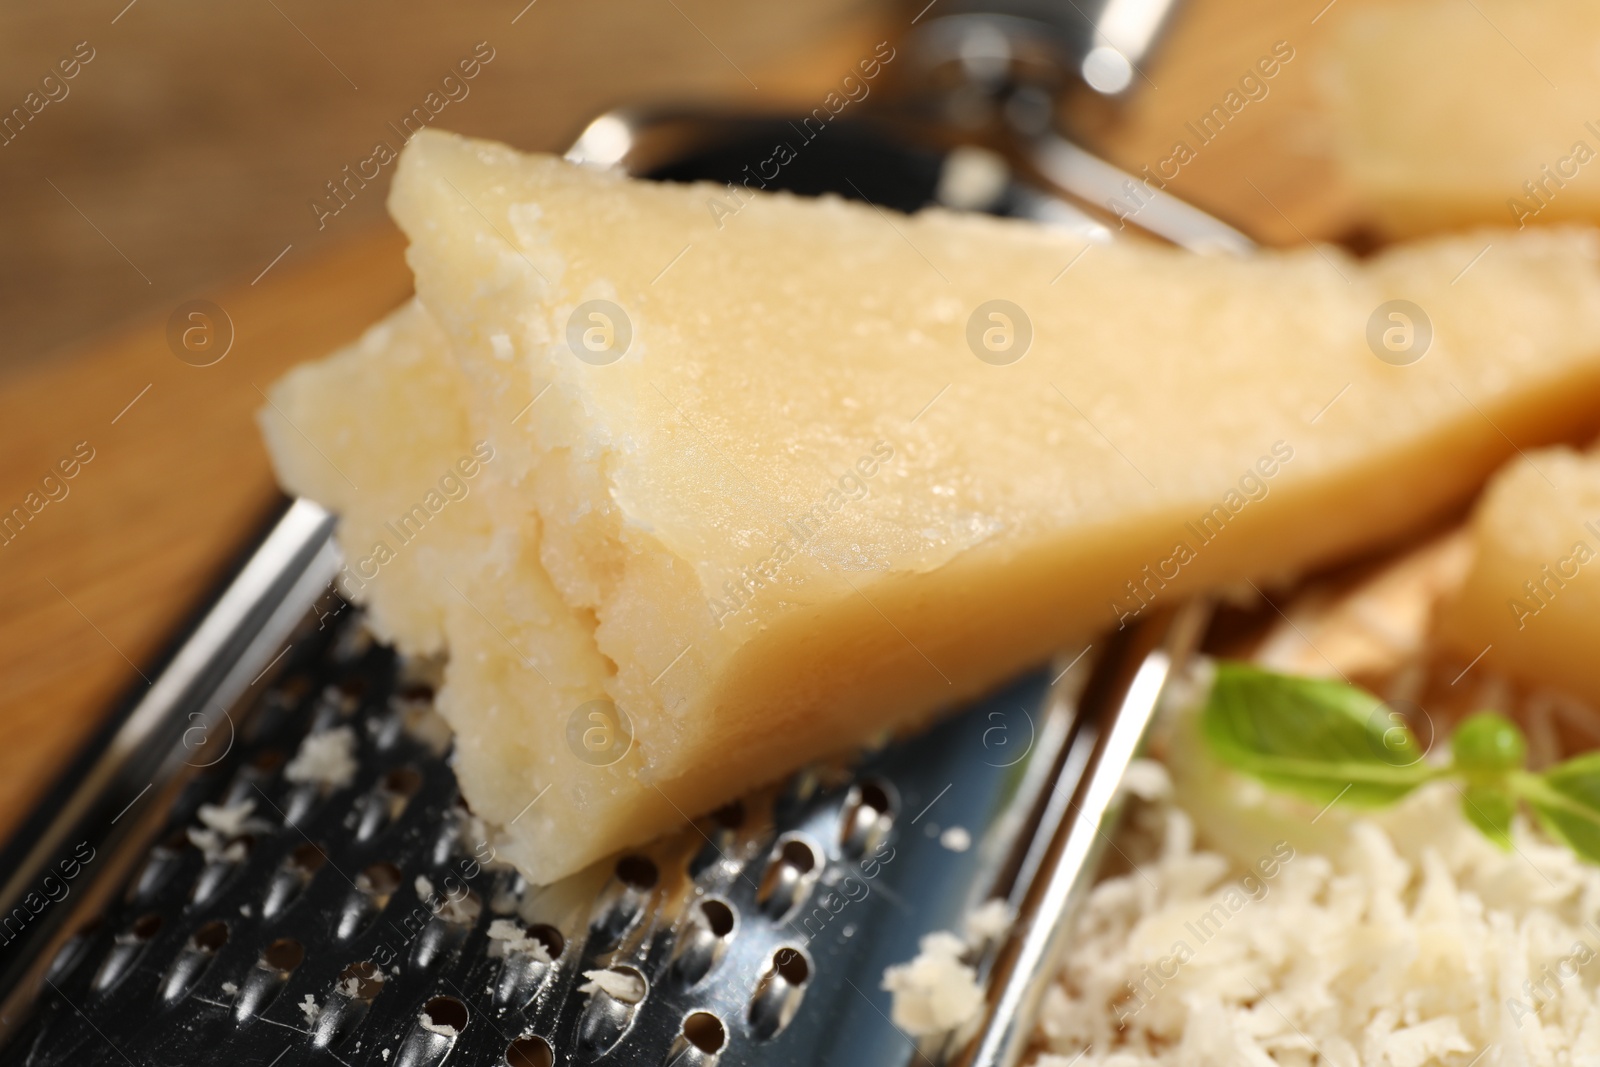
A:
(759, 936)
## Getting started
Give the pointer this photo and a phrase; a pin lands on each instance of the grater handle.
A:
(1107, 739)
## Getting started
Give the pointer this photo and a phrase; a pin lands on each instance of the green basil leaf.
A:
(1317, 738)
(1567, 800)
(1490, 808)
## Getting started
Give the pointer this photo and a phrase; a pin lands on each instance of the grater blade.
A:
(759, 935)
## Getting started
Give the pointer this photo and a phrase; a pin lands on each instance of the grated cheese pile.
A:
(1400, 938)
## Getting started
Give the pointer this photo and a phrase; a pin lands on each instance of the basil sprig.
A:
(1326, 740)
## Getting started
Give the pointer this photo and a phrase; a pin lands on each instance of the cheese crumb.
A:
(310, 1007)
(215, 848)
(424, 889)
(353, 986)
(230, 989)
(936, 992)
(507, 937)
(442, 1029)
(227, 819)
(1148, 780)
(327, 758)
(628, 988)
(956, 839)
(988, 923)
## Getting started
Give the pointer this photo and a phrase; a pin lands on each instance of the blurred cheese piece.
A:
(770, 475)
(1450, 113)
(1531, 602)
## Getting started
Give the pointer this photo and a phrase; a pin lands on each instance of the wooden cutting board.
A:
(98, 581)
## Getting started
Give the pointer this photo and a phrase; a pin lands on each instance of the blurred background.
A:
(182, 157)
(186, 153)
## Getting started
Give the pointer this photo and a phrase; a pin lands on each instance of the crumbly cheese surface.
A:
(1400, 939)
(378, 431)
(801, 506)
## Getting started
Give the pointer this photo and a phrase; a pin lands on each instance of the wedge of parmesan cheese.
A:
(1530, 606)
(1459, 114)
(766, 483)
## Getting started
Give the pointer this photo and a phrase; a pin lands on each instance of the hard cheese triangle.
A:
(805, 470)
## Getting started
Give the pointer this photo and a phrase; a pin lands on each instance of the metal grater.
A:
(758, 935)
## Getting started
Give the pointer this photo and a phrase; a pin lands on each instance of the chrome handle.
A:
(1106, 739)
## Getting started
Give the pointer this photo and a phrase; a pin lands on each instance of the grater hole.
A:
(403, 781)
(294, 688)
(462, 908)
(778, 994)
(791, 966)
(705, 1032)
(145, 927)
(160, 864)
(638, 872)
(867, 816)
(874, 796)
(379, 880)
(550, 938)
(729, 816)
(361, 981)
(283, 954)
(530, 1052)
(267, 761)
(417, 692)
(307, 859)
(790, 872)
(799, 855)
(73, 951)
(718, 916)
(441, 1012)
(210, 937)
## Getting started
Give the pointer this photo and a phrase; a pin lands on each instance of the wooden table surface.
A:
(96, 583)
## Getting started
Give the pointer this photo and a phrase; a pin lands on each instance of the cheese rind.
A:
(807, 503)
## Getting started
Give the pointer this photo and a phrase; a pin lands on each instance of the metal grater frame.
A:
(760, 934)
